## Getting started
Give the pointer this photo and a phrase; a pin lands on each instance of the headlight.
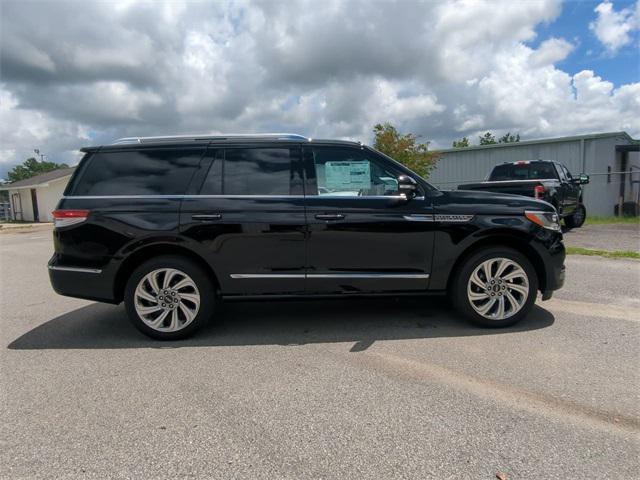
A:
(548, 220)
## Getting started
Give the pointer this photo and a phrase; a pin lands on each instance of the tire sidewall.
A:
(571, 220)
(197, 274)
(459, 293)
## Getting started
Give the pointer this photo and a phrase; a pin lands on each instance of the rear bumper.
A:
(80, 282)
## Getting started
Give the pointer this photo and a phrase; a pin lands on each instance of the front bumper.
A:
(551, 251)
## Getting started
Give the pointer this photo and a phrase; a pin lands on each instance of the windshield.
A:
(523, 171)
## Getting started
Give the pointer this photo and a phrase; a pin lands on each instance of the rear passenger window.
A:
(251, 171)
(141, 172)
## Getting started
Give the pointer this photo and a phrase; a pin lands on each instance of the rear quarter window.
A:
(138, 172)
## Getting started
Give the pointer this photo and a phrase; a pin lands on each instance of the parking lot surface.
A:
(333, 389)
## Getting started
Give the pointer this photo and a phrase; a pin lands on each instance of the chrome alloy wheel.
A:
(498, 288)
(167, 300)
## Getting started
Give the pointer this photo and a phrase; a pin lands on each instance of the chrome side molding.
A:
(330, 275)
(439, 218)
(75, 269)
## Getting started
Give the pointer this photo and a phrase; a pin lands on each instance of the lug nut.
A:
(160, 298)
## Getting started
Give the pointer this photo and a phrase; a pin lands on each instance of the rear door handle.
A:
(213, 216)
(329, 216)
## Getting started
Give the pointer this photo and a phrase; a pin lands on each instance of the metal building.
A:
(612, 160)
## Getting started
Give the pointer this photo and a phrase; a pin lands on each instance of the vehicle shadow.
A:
(362, 321)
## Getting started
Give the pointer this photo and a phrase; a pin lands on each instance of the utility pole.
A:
(37, 152)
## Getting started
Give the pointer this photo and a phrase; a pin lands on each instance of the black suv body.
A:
(171, 225)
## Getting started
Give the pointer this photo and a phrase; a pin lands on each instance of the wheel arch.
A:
(509, 241)
(151, 251)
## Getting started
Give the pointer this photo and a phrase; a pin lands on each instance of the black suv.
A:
(171, 225)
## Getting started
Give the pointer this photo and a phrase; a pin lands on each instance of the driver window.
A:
(342, 172)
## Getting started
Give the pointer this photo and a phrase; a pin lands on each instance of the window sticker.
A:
(347, 175)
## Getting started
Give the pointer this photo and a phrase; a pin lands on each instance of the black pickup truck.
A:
(541, 179)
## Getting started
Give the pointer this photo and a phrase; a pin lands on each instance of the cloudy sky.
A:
(81, 73)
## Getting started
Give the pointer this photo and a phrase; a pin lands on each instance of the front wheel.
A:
(496, 287)
(577, 218)
(169, 297)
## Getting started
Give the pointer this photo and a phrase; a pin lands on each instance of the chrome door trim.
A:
(180, 197)
(368, 275)
(267, 275)
(329, 275)
(75, 269)
(172, 197)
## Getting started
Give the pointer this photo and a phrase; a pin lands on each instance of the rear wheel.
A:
(496, 287)
(169, 297)
(576, 220)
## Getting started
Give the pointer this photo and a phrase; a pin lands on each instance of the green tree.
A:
(32, 167)
(508, 138)
(487, 139)
(462, 143)
(404, 148)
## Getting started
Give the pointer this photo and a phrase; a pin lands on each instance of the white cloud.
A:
(551, 51)
(613, 28)
(440, 70)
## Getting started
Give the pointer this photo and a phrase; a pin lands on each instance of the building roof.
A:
(39, 180)
(590, 136)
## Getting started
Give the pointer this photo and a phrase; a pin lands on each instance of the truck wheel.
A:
(576, 220)
(169, 297)
(496, 287)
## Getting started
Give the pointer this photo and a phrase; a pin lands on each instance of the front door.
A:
(248, 218)
(363, 236)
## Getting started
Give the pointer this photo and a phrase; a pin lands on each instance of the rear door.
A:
(363, 236)
(247, 215)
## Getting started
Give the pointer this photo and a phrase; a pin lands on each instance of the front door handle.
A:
(213, 216)
(329, 216)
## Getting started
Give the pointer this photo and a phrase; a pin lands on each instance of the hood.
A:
(476, 202)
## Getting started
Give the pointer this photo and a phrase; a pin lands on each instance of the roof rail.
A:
(195, 138)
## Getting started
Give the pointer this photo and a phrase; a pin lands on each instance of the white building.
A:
(610, 159)
(33, 199)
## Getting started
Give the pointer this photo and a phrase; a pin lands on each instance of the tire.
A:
(518, 290)
(576, 220)
(190, 293)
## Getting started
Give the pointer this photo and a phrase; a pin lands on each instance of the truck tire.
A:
(576, 220)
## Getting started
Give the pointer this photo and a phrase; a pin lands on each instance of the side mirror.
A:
(407, 186)
(584, 179)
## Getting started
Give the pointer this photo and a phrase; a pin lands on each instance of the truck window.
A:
(138, 172)
(523, 171)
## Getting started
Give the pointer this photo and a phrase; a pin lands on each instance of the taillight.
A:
(538, 191)
(66, 218)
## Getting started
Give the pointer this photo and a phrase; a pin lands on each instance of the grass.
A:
(610, 220)
(603, 253)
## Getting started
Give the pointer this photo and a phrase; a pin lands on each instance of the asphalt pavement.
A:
(347, 389)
